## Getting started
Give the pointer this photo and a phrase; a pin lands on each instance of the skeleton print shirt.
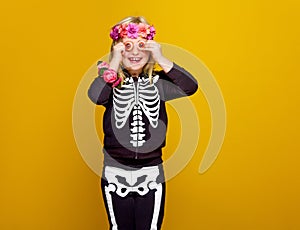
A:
(135, 119)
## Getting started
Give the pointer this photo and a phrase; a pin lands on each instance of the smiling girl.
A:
(135, 123)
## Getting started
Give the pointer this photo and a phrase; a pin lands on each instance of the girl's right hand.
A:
(117, 56)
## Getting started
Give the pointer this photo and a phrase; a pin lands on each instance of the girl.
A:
(135, 123)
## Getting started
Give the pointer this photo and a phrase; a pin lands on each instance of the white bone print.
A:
(142, 181)
(138, 98)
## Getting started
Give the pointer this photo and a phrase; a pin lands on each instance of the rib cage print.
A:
(137, 98)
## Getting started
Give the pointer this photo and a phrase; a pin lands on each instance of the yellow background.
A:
(252, 48)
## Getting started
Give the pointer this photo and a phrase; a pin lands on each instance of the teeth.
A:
(134, 59)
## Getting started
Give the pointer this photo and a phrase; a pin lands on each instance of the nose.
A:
(135, 50)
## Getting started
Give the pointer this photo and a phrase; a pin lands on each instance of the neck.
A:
(135, 73)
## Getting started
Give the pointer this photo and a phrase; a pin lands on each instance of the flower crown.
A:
(132, 30)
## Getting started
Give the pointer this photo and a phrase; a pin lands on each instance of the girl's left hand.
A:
(157, 55)
(155, 50)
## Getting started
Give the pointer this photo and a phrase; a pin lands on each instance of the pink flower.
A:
(117, 82)
(109, 76)
(123, 30)
(151, 33)
(103, 65)
(143, 30)
(114, 33)
(132, 30)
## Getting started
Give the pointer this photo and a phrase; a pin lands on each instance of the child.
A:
(135, 123)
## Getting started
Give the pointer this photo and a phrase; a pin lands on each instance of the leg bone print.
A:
(122, 182)
(139, 98)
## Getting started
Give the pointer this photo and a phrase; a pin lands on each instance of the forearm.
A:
(165, 64)
(99, 91)
(181, 83)
(114, 63)
(183, 79)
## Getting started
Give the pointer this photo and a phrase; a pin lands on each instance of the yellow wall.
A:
(252, 48)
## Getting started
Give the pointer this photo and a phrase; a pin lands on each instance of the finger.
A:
(151, 42)
(119, 48)
(149, 46)
(149, 49)
(152, 45)
(119, 45)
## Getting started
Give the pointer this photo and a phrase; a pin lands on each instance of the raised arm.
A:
(177, 83)
(99, 91)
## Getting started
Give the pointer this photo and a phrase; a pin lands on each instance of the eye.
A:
(141, 44)
(128, 46)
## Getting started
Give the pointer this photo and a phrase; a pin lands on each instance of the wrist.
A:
(165, 64)
(108, 74)
(115, 63)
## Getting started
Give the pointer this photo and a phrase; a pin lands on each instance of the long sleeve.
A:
(99, 91)
(178, 83)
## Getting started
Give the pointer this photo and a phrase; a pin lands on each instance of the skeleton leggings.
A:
(134, 199)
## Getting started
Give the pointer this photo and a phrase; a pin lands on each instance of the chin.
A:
(135, 68)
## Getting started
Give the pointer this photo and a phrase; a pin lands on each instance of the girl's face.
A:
(134, 57)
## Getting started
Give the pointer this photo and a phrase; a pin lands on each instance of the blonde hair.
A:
(148, 68)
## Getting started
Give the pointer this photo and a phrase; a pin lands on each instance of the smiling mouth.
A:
(135, 59)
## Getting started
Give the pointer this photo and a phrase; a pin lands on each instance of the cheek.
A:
(125, 58)
(125, 54)
(147, 55)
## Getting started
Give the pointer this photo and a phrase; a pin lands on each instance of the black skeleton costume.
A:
(135, 124)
